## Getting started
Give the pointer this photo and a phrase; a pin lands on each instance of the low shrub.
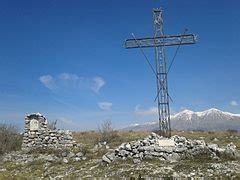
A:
(232, 132)
(10, 139)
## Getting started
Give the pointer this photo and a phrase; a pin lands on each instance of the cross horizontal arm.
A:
(160, 41)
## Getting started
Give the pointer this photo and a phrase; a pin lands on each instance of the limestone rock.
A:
(79, 154)
(70, 155)
(128, 147)
(136, 161)
(77, 159)
(213, 147)
(231, 150)
(65, 160)
(105, 159)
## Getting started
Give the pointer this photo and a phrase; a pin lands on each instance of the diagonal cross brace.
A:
(141, 49)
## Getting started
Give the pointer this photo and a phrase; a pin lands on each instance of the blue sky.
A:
(65, 59)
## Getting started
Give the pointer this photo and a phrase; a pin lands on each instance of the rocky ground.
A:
(141, 157)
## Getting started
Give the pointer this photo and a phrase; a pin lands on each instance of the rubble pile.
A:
(38, 134)
(170, 149)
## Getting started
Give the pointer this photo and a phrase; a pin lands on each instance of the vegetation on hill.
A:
(10, 139)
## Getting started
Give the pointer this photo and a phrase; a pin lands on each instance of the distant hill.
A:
(209, 120)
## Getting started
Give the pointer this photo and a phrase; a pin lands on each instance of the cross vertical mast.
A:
(161, 71)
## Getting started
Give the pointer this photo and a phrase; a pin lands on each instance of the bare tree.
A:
(53, 125)
(106, 131)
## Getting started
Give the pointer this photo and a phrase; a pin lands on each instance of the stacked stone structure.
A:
(170, 149)
(38, 135)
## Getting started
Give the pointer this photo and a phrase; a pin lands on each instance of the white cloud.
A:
(68, 77)
(137, 107)
(66, 121)
(47, 81)
(146, 112)
(106, 106)
(233, 103)
(72, 81)
(98, 84)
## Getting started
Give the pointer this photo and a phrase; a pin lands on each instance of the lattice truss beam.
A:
(183, 39)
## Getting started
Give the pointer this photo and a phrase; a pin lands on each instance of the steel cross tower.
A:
(161, 73)
(159, 42)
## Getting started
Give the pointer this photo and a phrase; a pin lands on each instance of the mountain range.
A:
(210, 120)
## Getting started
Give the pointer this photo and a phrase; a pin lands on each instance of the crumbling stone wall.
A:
(38, 134)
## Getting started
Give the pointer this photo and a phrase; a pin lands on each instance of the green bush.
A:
(10, 139)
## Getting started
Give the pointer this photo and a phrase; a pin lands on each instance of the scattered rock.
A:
(136, 161)
(65, 160)
(79, 154)
(70, 155)
(49, 158)
(2, 170)
(231, 150)
(105, 159)
(64, 154)
(213, 147)
(77, 159)
(128, 147)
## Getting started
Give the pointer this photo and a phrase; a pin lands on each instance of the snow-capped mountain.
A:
(209, 120)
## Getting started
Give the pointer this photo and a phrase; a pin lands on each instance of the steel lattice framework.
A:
(159, 42)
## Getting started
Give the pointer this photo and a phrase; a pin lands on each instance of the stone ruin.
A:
(38, 134)
(168, 149)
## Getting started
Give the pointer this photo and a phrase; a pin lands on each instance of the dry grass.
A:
(223, 137)
(91, 138)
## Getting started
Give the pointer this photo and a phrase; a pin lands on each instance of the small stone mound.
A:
(169, 149)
